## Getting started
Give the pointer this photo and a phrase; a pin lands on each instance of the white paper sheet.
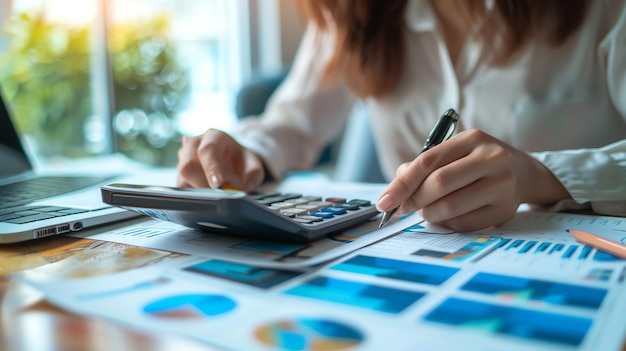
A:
(526, 285)
(416, 290)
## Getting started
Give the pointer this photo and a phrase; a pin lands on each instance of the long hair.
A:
(370, 34)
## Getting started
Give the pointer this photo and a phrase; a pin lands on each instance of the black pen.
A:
(440, 133)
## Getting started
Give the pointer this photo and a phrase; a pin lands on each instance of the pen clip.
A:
(443, 130)
(451, 113)
(450, 130)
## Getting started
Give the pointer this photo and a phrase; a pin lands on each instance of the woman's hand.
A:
(471, 182)
(214, 159)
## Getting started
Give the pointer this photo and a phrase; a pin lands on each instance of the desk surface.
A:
(29, 322)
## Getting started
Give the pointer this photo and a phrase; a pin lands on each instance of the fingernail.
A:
(213, 182)
(384, 203)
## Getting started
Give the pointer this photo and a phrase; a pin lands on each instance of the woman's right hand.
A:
(214, 159)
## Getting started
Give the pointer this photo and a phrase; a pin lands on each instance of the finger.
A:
(253, 173)
(402, 168)
(467, 199)
(452, 177)
(189, 170)
(181, 182)
(479, 219)
(410, 177)
(193, 180)
(217, 154)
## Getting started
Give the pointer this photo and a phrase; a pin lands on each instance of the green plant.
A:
(45, 74)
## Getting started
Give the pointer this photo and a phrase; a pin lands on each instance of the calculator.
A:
(264, 215)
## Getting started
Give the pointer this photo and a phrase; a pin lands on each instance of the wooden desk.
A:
(29, 323)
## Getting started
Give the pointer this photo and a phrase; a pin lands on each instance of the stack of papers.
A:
(526, 285)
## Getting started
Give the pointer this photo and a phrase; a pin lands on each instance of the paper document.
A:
(526, 285)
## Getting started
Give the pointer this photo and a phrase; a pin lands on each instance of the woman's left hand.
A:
(471, 182)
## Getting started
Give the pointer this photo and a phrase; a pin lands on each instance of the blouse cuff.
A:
(594, 178)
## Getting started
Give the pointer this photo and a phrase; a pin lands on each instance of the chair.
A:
(353, 157)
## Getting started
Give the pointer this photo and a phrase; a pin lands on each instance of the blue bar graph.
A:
(529, 245)
(584, 253)
(570, 251)
(368, 296)
(556, 248)
(542, 247)
(515, 244)
(524, 324)
(502, 243)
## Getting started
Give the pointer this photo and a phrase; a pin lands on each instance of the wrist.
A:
(542, 187)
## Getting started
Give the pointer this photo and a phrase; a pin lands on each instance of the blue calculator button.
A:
(334, 210)
(321, 214)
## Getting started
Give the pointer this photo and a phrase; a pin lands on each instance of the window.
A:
(46, 77)
(90, 77)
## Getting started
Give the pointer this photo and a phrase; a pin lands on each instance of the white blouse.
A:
(564, 105)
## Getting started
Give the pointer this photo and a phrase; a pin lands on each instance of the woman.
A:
(540, 87)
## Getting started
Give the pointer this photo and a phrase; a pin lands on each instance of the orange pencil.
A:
(600, 243)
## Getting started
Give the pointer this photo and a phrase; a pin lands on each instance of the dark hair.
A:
(370, 43)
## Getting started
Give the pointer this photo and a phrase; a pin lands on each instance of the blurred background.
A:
(88, 78)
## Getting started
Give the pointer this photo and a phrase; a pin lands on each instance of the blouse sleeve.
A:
(596, 178)
(303, 116)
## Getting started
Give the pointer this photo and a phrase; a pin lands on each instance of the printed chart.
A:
(309, 335)
(191, 306)
(513, 321)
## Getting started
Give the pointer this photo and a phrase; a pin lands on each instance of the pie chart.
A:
(190, 306)
(309, 334)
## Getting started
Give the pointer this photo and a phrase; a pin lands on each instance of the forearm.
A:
(303, 116)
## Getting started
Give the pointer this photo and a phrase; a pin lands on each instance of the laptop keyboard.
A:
(14, 196)
(26, 214)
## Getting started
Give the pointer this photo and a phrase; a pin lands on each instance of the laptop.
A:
(35, 205)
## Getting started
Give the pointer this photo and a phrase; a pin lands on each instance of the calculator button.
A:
(312, 198)
(310, 208)
(281, 205)
(322, 214)
(347, 206)
(278, 198)
(334, 210)
(360, 202)
(311, 218)
(336, 200)
(298, 201)
(291, 212)
(321, 203)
